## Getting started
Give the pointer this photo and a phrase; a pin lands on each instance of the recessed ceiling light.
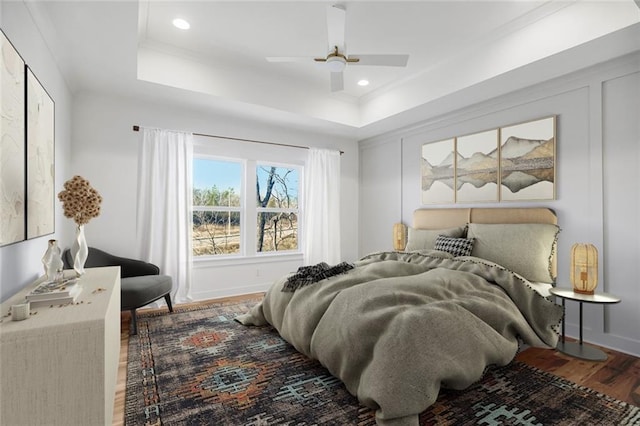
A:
(363, 83)
(181, 23)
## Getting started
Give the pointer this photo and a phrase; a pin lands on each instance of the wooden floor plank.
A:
(618, 379)
(618, 376)
(118, 405)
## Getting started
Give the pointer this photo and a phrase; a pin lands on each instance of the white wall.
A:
(620, 194)
(380, 193)
(105, 151)
(597, 159)
(20, 263)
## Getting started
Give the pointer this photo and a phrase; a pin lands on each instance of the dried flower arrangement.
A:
(79, 200)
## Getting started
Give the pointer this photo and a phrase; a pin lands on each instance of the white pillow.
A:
(421, 239)
(524, 248)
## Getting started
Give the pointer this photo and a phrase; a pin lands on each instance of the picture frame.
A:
(437, 171)
(12, 145)
(527, 160)
(40, 161)
(510, 163)
(477, 161)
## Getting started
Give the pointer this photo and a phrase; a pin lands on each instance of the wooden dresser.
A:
(59, 366)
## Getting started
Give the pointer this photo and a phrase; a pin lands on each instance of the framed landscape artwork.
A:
(437, 172)
(512, 163)
(40, 159)
(527, 161)
(12, 145)
(477, 167)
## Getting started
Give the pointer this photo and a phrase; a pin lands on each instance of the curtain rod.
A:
(136, 128)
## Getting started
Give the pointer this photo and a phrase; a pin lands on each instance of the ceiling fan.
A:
(337, 59)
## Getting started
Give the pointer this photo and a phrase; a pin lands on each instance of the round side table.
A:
(580, 349)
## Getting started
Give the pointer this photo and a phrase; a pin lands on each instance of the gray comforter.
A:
(399, 326)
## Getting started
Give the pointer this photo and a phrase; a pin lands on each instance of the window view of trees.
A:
(218, 208)
(216, 231)
(277, 204)
(216, 211)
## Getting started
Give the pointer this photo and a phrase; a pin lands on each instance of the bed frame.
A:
(454, 217)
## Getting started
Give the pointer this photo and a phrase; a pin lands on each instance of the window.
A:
(243, 207)
(217, 206)
(277, 208)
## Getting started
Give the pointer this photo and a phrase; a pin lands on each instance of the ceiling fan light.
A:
(335, 64)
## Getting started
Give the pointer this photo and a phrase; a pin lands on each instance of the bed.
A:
(397, 326)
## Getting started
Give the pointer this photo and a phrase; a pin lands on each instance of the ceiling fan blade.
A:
(380, 60)
(337, 81)
(289, 58)
(336, 18)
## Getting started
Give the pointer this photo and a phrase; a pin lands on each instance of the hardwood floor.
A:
(118, 404)
(618, 376)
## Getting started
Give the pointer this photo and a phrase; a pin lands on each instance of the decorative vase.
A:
(52, 261)
(79, 251)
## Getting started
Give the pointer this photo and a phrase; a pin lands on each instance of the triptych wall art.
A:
(512, 163)
(27, 161)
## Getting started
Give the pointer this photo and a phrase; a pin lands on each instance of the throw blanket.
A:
(306, 275)
(401, 325)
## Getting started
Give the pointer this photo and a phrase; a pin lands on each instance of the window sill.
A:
(207, 261)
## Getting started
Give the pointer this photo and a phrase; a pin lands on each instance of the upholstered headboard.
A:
(454, 217)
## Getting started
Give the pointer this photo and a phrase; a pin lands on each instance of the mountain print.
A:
(442, 172)
(520, 166)
(525, 162)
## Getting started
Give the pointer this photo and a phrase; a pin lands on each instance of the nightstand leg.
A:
(564, 315)
(580, 323)
(578, 348)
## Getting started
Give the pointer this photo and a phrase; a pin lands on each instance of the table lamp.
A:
(399, 236)
(584, 268)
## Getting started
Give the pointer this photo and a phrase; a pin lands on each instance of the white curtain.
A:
(322, 207)
(164, 206)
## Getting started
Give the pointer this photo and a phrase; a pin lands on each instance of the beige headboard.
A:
(450, 218)
(453, 217)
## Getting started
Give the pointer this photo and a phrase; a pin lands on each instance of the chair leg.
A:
(134, 321)
(167, 298)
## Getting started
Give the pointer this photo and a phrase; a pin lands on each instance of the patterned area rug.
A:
(199, 367)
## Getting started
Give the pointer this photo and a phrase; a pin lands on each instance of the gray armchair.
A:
(140, 282)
